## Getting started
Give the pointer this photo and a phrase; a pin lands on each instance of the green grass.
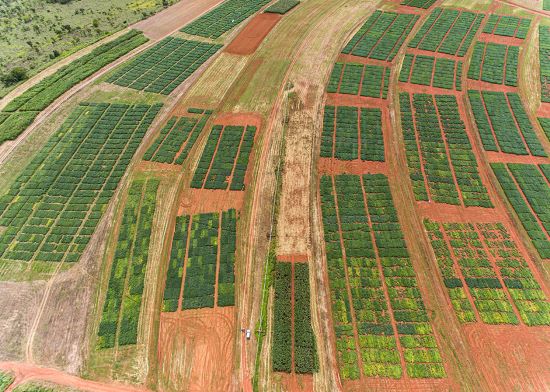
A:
(282, 6)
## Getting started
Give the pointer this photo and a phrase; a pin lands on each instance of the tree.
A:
(14, 76)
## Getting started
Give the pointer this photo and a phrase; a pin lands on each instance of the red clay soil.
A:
(544, 110)
(422, 52)
(480, 85)
(157, 166)
(372, 384)
(335, 166)
(441, 212)
(24, 373)
(239, 119)
(196, 350)
(199, 201)
(502, 157)
(354, 100)
(499, 39)
(293, 258)
(297, 382)
(349, 58)
(412, 88)
(250, 38)
(518, 356)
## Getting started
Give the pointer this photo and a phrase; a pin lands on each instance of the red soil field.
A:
(297, 382)
(502, 157)
(423, 52)
(293, 258)
(500, 39)
(239, 119)
(349, 58)
(198, 201)
(418, 88)
(357, 166)
(441, 212)
(544, 110)
(250, 38)
(404, 384)
(354, 100)
(480, 85)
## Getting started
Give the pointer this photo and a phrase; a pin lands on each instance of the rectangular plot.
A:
(425, 4)
(544, 55)
(418, 69)
(359, 79)
(494, 63)
(508, 26)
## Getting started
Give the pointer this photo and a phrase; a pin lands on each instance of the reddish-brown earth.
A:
(354, 100)
(198, 201)
(250, 38)
(502, 157)
(357, 166)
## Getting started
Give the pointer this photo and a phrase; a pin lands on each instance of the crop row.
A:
(176, 139)
(351, 133)
(527, 190)
(282, 6)
(223, 18)
(439, 154)
(21, 112)
(288, 277)
(482, 268)
(503, 124)
(544, 55)
(376, 303)
(431, 71)
(6, 379)
(194, 258)
(425, 4)
(122, 307)
(359, 79)
(224, 161)
(447, 31)
(545, 125)
(54, 206)
(381, 36)
(508, 26)
(162, 68)
(494, 63)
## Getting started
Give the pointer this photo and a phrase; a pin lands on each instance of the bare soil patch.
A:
(502, 157)
(250, 38)
(333, 166)
(293, 258)
(500, 39)
(404, 384)
(297, 382)
(198, 201)
(354, 100)
(412, 88)
(441, 212)
(349, 58)
(480, 85)
(544, 110)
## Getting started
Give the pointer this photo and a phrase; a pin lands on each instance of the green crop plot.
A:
(122, 308)
(374, 292)
(447, 31)
(162, 68)
(6, 379)
(544, 55)
(527, 190)
(508, 26)
(52, 209)
(176, 139)
(282, 6)
(224, 161)
(381, 36)
(351, 133)
(494, 63)
(425, 4)
(359, 79)
(493, 274)
(224, 17)
(429, 71)
(21, 112)
(194, 260)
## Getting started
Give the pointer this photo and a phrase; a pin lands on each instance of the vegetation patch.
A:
(282, 6)
(431, 71)
(544, 54)
(507, 26)
(494, 63)
(359, 79)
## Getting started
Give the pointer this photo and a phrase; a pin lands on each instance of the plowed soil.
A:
(441, 212)
(250, 38)
(199, 201)
(502, 157)
(196, 350)
(354, 100)
(357, 166)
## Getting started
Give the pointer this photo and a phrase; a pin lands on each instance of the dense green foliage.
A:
(381, 36)
(23, 110)
(494, 63)
(223, 18)
(544, 54)
(52, 209)
(282, 6)
(425, 4)
(162, 68)
(429, 71)
(281, 353)
(6, 379)
(508, 26)
(359, 79)
(224, 161)
(447, 31)
(351, 133)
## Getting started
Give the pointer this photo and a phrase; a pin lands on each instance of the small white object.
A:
(248, 334)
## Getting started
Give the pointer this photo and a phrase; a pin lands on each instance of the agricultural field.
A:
(6, 379)
(431, 71)
(351, 133)
(544, 54)
(425, 4)
(225, 159)
(359, 79)
(162, 68)
(503, 123)
(442, 165)
(22, 111)
(527, 188)
(447, 31)
(282, 6)
(507, 26)
(494, 63)
(177, 138)
(381, 36)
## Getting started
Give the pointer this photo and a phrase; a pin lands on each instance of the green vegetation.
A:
(52, 209)
(351, 133)
(122, 308)
(165, 66)
(282, 6)
(22, 111)
(360, 79)
(6, 379)
(494, 63)
(429, 71)
(447, 31)
(223, 18)
(544, 54)
(225, 158)
(176, 139)
(381, 36)
(508, 26)
(425, 4)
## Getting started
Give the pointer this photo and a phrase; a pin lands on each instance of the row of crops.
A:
(165, 66)
(503, 123)
(378, 312)
(359, 79)
(431, 71)
(194, 262)
(223, 18)
(507, 26)
(6, 379)
(381, 36)
(483, 269)
(544, 55)
(425, 4)
(52, 209)
(224, 161)
(122, 307)
(442, 165)
(292, 311)
(495, 63)
(528, 191)
(448, 31)
(176, 139)
(282, 6)
(351, 133)
(21, 112)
